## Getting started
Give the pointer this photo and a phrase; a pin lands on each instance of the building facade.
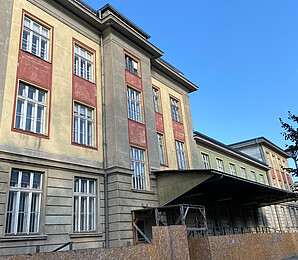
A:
(282, 216)
(88, 112)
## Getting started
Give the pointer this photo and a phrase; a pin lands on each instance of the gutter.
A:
(104, 146)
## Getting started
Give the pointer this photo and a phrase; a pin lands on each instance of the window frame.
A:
(176, 109)
(156, 100)
(253, 175)
(162, 147)
(24, 109)
(220, 166)
(268, 159)
(87, 195)
(134, 115)
(32, 19)
(243, 172)
(262, 178)
(77, 70)
(135, 64)
(140, 184)
(92, 120)
(30, 191)
(233, 170)
(182, 162)
(206, 163)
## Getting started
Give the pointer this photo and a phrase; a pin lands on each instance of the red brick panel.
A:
(35, 70)
(137, 133)
(278, 174)
(133, 80)
(83, 91)
(272, 173)
(178, 129)
(284, 177)
(159, 123)
(289, 179)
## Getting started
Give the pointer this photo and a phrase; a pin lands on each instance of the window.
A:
(156, 100)
(219, 163)
(294, 217)
(273, 182)
(83, 125)
(205, 159)
(243, 172)
(253, 175)
(274, 162)
(233, 169)
(279, 163)
(180, 155)
(161, 148)
(175, 110)
(23, 209)
(271, 216)
(134, 105)
(138, 165)
(268, 159)
(83, 63)
(84, 205)
(262, 180)
(31, 109)
(284, 217)
(131, 65)
(280, 184)
(35, 38)
(141, 226)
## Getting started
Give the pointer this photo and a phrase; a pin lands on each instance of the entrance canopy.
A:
(199, 186)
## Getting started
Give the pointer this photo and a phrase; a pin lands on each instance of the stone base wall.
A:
(247, 246)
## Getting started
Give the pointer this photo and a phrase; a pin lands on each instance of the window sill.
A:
(84, 146)
(90, 234)
(143, 191)
(21, 131)
(133, 73)
(141, 123)
(177, 122)
(22, 238)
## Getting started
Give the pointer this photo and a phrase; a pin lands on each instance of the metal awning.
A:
(199, 186)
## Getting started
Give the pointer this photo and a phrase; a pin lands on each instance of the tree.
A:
(291, 134)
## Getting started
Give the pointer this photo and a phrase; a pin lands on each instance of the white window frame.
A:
(175, 109)
(205, 161)
(181, 157)
(253, 176)
(243, 172)
(34, 30)
(233, 169)
(220, 166)
(81, 133)
(274, 162)
(83, 63)
(82, 216)
(161, 149)
(22, 116)
(134, 105)
(29, 191)
(156, 100)
(138, 164)
(131, 65)
(262, 178)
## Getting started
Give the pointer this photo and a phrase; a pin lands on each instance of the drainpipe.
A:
(104, 146)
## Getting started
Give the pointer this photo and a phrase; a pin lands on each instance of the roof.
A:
(260, 140)
(206, 139)
(199, 186)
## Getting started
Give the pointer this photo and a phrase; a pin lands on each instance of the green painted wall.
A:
(227, 159)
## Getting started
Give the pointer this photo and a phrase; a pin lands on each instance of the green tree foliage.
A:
(291, 134)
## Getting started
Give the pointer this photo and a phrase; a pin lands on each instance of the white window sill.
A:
(90, 234)
(143, 191)
(21, 238)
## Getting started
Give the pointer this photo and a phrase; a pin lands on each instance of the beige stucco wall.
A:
(59, 142)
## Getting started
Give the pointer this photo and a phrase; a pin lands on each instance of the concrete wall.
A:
(56, 217)
(248, 246)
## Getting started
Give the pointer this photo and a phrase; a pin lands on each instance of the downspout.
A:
(104, 144)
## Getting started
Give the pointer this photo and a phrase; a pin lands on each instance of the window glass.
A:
(137, 157)
(35, 38)
(83, 63)
(84, 215)
(232, 169)
(180, 155)
(23, 208)
(131, 65)
(253, 175)
(134, 105)
(175, 110)
(243, 172)
(156, 100)
(83, 125)
(161, 148)
(219, 163)
(205, 159)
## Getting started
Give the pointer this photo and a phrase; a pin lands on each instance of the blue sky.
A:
(243, 55)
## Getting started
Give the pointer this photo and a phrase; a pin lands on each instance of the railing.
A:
(66, 244)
